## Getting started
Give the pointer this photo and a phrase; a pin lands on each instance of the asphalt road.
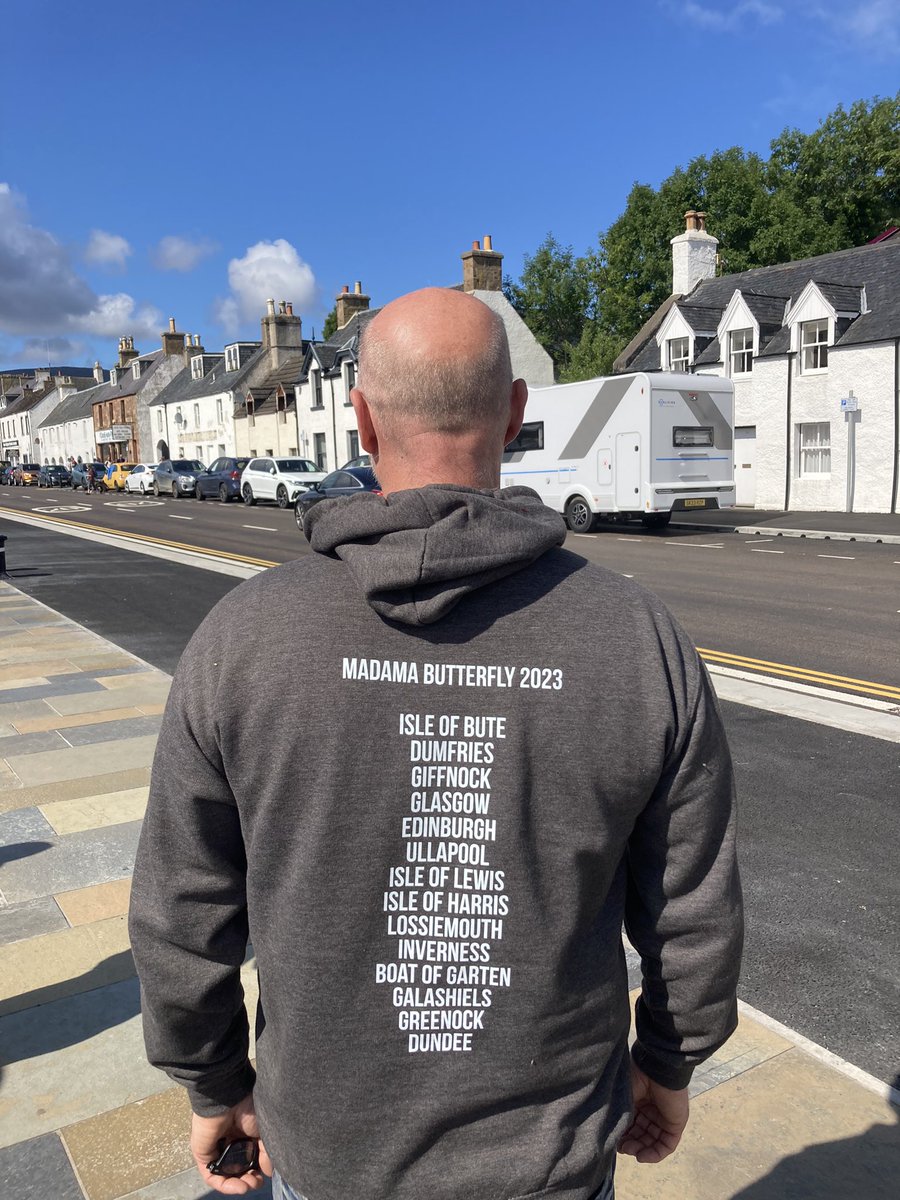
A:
(819, 819)
(824, 606)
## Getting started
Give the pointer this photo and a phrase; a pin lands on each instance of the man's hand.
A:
(660, 1116)
(207, 1132)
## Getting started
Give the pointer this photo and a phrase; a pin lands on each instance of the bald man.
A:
(431, 770)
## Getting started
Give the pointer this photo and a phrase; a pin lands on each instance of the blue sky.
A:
(190, 161)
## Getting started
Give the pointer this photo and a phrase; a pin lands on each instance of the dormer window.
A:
(679, 353)
(741, 351)
(197, 367)
(136, 369)
(814, 346)
(232, 361)
(114, 376)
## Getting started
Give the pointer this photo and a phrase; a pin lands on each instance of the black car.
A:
(352, 481)
(54, 476)
(222, 479)
(178, 476)
(79, 475)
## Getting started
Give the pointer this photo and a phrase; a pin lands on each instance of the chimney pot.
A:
(345, 289)
(476, 245)
(488, 245)
(289, 308)
(357, 287)
(171, 324)
(270, 307)
(281, 307)
(701, 221)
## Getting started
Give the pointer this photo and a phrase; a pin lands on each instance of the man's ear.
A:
(368, 438)
(518, 398)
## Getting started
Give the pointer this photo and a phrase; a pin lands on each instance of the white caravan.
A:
(629, 446)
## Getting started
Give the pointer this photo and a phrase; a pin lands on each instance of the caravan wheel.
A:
(579, 517)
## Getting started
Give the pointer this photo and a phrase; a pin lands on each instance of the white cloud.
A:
(42, 295)
(731, 16)
(180, 253)
(55, 350)
(106, 249)
(873, 24)
(267, 270)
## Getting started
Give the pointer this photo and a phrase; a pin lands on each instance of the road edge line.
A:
(827, 1057)
(207, 562)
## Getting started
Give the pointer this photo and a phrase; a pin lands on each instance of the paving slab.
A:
(84, 905)
(74, 861)
(51, 720)
(52, 766)
(13, 795)
(64, 963)
(790, 1129)
(153, 1132)
(24, 825)
(38, 1170)
(19, 744)
(30, 919)
(108, 731)
(96, 812)
(27, 670)
(104, 699)
(46, 689)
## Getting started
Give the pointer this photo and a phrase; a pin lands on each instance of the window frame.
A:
(521, 443)
(806, 449)
(820, 345)
(745, 352)
(671, 359)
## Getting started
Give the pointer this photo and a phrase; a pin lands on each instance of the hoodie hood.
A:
(415, 554)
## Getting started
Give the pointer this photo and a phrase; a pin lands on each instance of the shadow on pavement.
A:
(22, 850)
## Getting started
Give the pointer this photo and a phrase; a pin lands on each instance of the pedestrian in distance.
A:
(513, 755)
(89, 479)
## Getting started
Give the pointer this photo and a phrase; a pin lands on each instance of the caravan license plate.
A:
(695, 503)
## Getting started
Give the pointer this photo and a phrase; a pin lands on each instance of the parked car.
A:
(140, 478)
(55, 475)
(278, 479)
(79, 475)
(177, 476)
(6, 472)
(26, 474)
(116, 474)
(222, 479)
(352, 481)
(363, 460)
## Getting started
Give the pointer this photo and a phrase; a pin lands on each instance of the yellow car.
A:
(26, 474)
(114, 478)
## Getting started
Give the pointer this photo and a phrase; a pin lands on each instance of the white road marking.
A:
(697, 545)
(759, 550)
(759, 541)
(175, 517)
(845, 557)
(587, 535)
(624, 576)
(272, 529)
(629, 539)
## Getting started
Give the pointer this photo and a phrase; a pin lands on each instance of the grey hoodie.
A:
(431, 770)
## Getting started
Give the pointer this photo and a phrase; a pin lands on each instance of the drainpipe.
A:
(333, 426)
(896, 471)
(787, 451)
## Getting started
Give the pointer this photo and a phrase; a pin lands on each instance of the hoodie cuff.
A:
(660, 1071)
(213, 1098)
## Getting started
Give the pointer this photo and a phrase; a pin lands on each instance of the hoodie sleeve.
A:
(188, 918)
(683, 910)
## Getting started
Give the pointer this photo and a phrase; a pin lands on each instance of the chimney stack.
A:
(126, 351)
(349, 304)
(98, 371)
(192, 347)
(482, 268)
(693, 254)
(281, 332)
(172, 340)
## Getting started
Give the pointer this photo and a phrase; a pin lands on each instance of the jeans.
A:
(283, 1191)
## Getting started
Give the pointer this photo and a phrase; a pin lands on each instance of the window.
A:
(159, 417)
(199, 452)
(530, 437)
(741, 351)
(319, 451)
(351, 378)
(221, 449)
(814, 346)
(317, 390)
(692, 435)
(232, 362)
(197, 367)
(352, 443)
(196, 416)
(292, 450)
(679, 353)
(136, 369)
(250, 416)
(219, 416)
(814, 446)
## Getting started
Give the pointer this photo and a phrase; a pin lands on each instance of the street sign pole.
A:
(850, 409)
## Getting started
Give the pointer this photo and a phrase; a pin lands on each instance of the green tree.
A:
(330, 324)
(828, 190)
(552, 297)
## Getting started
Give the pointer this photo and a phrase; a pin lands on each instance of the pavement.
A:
(862, 527)
(82, 1114)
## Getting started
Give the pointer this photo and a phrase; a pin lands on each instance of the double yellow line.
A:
(863, 687)
(142, 537)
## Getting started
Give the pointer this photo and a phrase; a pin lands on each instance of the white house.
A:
(813, 348)
(22, 415)
(68, 431)
(326, 422)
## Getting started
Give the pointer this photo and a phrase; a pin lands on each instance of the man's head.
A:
(436, 398)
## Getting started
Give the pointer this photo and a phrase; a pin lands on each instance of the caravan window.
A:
(530, 437)
(692, 435)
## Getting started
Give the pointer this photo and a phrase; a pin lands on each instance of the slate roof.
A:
(342, 344)
(218, 380)
(127, 385)
(700, 319)
(73, 407)
(840, 275)
(768, 310)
